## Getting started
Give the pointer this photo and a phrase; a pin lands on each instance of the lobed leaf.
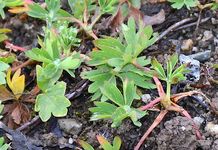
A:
(52, 101)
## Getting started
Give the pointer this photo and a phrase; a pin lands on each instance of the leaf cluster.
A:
(119, 105)
(172, 75)
(55, 61)
(104, 144)
(117, 58)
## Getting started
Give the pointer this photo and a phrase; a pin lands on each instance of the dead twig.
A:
(193, 24)
(27, 124)
(173, 27)
(26, 63)
(78, 91)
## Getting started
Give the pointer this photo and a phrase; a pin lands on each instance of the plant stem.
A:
(168, 88)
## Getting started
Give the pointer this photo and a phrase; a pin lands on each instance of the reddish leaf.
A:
(135, 13)
(117, 20)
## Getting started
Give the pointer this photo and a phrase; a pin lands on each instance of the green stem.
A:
(168, 88)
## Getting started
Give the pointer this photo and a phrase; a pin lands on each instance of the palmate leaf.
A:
(52, 101)
(116, 58)
(120, 106)
(178, 4)
(172, 75)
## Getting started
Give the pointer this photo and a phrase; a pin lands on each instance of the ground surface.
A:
(175, 132)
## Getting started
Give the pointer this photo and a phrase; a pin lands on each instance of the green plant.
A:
(171, 76)
(55, 61)
(3, 68)
(66, 36)
(120, 108)
(3, 146)
(104, 143)
(167, 100)
(49, 14)
(117, 58)
(78, 7)
(178, 4)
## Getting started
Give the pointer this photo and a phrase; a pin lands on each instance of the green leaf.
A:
(85, 145)
(3, 68)
(129, 31)
(78, 7)
(158, 67)
(37, 11)
(40, 55)
(104, 143)
(118, 116)
(52, 101)
(103, 110)
(70, 63)
(178, 4)
(2, 145)
(113, 93)
(47, 76)
(129, 92)
(13, 3)
(139, 80)
(117, 143)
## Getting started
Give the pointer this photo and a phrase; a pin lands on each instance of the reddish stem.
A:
(151, 104)
(154, 124)
(159, 87)
(14, 47)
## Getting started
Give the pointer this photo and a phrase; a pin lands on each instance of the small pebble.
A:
(193, 67)
(212, 128)
(146, 98)
(187, 45)
(214, 21)
(207, 35)
(70, 141)
(201, 56)
(70, 126)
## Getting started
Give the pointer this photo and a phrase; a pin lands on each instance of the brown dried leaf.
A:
(155, 19)
(135, 13)
(5, 95)
(117, 20)
(16, 114)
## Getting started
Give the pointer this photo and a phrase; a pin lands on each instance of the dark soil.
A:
(174, 132)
